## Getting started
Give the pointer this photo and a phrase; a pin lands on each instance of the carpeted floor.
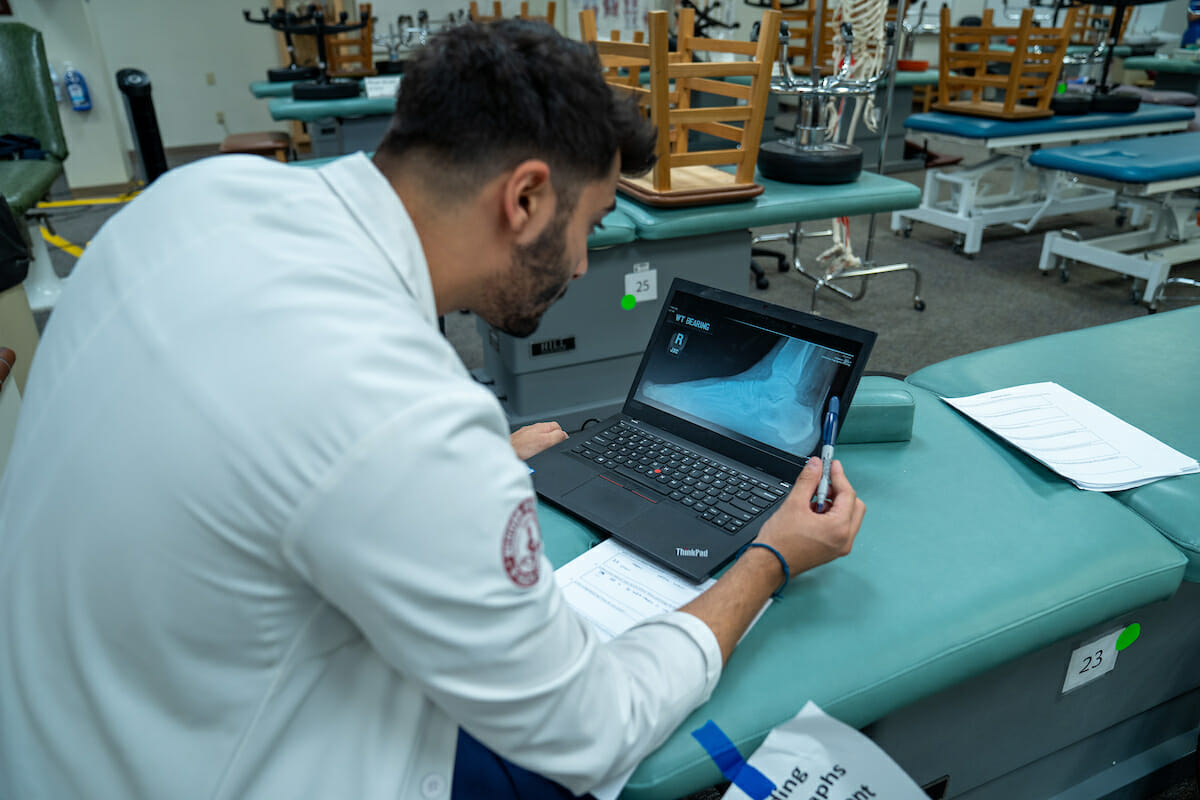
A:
(996, 298)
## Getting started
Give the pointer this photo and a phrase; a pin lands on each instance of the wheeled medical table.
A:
(1159, 175)
(580, 363)
(978, 579)
(961, 199)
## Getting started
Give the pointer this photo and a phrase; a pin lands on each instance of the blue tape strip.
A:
(735, 769)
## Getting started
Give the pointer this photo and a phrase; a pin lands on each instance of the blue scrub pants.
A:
(481, 774)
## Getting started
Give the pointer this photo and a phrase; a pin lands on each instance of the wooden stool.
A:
(680, 177)
(1033, 67)
(272, 144)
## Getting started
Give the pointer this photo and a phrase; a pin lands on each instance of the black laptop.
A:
(726, 408)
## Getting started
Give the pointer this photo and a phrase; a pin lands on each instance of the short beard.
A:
(541, 260)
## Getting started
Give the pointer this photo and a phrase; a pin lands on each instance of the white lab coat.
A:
(261, 535)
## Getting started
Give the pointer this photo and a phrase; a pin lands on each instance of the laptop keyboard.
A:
(717, 494)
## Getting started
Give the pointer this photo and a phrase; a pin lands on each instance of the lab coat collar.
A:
(372, 201)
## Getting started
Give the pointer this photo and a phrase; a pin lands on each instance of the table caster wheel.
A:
(919, 305)
(907, 231)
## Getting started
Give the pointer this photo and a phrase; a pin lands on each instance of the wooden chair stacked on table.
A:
(1034, 64)
(498, 12)
(1092, 24)
(349, 54)
(800, 20)
(680, 177)
(548, 18)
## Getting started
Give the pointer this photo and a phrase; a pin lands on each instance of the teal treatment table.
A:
(580, 363)
(337, 127)
(1171, 74)
(948, 632)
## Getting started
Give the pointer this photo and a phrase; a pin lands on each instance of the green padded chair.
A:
(27, 106)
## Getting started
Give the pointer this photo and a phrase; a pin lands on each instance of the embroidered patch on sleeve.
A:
(522, 547)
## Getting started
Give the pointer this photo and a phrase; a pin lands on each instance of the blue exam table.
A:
(959, 199)
(1154, 174)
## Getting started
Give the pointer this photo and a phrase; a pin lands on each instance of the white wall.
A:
(178, 44)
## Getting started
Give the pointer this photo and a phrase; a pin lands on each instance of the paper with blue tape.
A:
(735, 769)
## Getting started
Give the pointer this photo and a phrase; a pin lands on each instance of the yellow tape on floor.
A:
(93, 201)
(61, 243)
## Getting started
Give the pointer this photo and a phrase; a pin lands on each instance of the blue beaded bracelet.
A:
(787, 573)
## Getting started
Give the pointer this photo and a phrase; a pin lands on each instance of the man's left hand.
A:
(533, 439)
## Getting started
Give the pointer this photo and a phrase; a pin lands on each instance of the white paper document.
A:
(1074, 437)
(614, 588)
(813, 755)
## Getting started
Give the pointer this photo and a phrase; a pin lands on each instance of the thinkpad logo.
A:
(691, 552)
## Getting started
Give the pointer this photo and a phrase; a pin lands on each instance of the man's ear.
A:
(529, 199)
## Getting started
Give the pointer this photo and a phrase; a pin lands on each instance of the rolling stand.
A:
(807, 158)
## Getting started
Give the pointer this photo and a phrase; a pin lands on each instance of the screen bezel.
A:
(784, 466)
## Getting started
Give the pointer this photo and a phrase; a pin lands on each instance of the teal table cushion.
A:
(882, 411)
(779, 203)
(25, 182)
(1178, 65)
(928, 77)
(282, 108)
(271, 88)
(968, 557)
(1146, 371)
(615, 228)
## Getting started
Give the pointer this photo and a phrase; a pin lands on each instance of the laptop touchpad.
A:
(607, 503)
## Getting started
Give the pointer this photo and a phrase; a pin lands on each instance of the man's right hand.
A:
(804, 537)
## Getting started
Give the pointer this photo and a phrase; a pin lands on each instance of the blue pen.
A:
(827, 436)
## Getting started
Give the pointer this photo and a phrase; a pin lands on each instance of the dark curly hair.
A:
(481, 98)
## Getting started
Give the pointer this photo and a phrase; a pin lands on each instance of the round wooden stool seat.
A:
(273, 144)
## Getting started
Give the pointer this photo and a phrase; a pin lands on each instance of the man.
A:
(261, 535)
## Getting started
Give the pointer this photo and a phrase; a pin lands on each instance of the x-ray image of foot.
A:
(778, 401)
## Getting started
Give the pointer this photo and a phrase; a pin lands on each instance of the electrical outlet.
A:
(210, 78)
(220, 117)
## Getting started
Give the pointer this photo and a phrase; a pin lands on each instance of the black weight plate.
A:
(823, 165)
(284, 74)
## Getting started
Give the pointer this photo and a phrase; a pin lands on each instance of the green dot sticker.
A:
(1128, 636)
(628, 302)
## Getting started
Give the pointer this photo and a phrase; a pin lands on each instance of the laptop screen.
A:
(754, 374)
